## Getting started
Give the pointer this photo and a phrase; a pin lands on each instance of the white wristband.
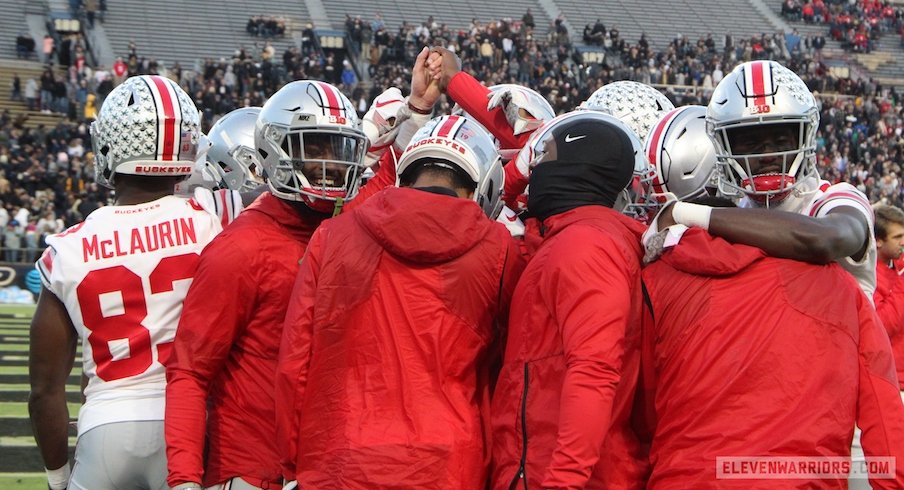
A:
(58, 479)
(688, 214)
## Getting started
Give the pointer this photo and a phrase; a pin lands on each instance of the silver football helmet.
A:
(147, 126)
(460, 143)
(755, 98)
(636, 104)
(682, 154)
(311, 145)
(204, 174)
(232, 149)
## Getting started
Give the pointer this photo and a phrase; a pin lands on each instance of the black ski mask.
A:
(594, 161)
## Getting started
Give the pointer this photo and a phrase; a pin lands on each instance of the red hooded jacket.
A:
(384, 372)
(225, 353)
(564, 396)
(889, 301)
(749, 356)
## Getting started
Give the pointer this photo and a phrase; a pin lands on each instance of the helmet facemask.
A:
(637, 200)
(316, 163)
(765, 160)
(251, 168)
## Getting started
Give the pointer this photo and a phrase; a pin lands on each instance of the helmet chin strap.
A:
(337, 208)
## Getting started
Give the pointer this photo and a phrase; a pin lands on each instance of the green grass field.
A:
(20, 463)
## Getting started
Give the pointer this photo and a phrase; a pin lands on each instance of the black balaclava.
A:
(594, 162)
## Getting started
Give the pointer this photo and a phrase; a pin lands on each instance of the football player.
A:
(116, 282)
(763, 120)
(232, 150)
(390, 337)
(563, 398)
(683, 156)
(311, 148)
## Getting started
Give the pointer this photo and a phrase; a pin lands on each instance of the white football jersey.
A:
(122, 275)
(830, 197)
(816, 199)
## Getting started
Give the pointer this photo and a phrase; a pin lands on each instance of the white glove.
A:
(503, 98)
(517, 109)
(511, 222)
(382, 121)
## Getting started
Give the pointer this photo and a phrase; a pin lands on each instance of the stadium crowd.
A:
(858, 25)
(860, 136)
(266, 26)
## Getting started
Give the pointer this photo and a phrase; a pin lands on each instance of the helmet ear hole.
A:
(263, 153)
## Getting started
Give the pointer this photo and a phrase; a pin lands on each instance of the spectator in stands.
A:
(349, 79)
(15, 86)
(527, 20)
(91, 7)
(31, 93)
(12, 241)
(47, 84)
(48, 49)
(25, 46)
(889, 295)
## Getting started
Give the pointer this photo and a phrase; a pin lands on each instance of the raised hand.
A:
(424, 87)
(450, 66)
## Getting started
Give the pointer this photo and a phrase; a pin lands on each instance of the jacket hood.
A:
(299, 222)
(702, 254)
(421, 226)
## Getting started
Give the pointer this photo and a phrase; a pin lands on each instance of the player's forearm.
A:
(784, 235)
(472, 97)
(50, 424)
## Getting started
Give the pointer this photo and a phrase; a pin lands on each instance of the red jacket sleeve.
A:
(385, 177)
(880, 413)
(294, 354)
(472, 97)
(593, 297)
(889, 299)
(514, 186)
(511, 272)
(206, 332)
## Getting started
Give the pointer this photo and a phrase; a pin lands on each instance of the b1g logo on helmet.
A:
(760, 109)
(338, 120)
